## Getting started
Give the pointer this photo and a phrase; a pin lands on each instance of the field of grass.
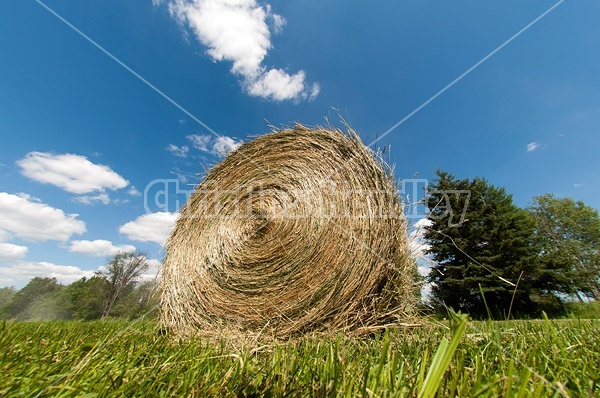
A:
(509, 358)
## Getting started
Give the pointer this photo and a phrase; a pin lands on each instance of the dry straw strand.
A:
(300, 230)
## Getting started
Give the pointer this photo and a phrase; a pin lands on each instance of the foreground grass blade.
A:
(442, 358)
(516, 358)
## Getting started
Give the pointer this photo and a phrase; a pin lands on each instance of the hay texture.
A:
(300, 230)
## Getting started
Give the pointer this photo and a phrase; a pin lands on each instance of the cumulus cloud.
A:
(98, 247)
(223, 145)
(239, 31)
(232, 30)
(154, 270)
(20, 274)
(416, 241)
(532, 146)
(219, 146)
(32, 220)
(10, 253)
(179, 151)
(73, 173)
(152, 227)
(279, 86)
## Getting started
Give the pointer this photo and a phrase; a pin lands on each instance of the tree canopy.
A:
(122, 272)
(482, 247)
(568, 235)
(116, 292)
(494, 258)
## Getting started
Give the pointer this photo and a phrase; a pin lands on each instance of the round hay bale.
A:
(298, 230)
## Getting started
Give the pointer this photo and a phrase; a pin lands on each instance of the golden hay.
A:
(297, 231)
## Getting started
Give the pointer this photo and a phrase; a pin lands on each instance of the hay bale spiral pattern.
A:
(298, 230)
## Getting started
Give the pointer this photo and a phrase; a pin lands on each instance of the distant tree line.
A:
(494, 259)
(115, 292)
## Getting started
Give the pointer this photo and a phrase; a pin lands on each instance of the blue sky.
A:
(83, 138)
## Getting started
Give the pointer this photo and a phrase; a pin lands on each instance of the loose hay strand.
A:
(300, 230)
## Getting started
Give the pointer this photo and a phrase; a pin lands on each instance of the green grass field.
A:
(115, 358)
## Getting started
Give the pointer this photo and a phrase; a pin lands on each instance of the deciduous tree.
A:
(38, 300)
(568, 234)
(122, 273)
(87, 298)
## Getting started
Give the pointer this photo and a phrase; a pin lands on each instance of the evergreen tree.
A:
(481, 243)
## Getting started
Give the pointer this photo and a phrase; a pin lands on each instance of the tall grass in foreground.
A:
(510, 358)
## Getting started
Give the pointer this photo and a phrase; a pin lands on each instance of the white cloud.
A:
(314, 92)
(152, 227)
(98, 247)
(278, 23)
(90, 199)
(577, 185)
(200, 141)
(219, 146)
(10, 253)
(153, 272)
(233, 30)
(179, 151)
(238, 31)
(422, 223)
(418, 247)
(532, 146)
(73, 173)
(20, 274)
(35, 221)
(416, 240)
(223, 145)
(133, 191)
(279, 86)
